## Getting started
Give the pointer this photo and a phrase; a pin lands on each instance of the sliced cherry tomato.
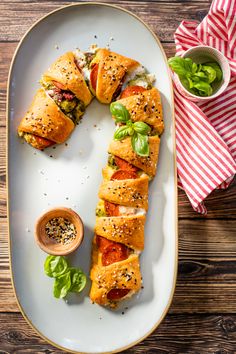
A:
(59, 85)
(111, 209)
(102, 243)
(115, 252)
(132, 90)
(123, 174)
(116, 294)
(94, 76)
(111, 251)
(124, 165)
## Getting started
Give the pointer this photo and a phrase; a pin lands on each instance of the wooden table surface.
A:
(202, 317)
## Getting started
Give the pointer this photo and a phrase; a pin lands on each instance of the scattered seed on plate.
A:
(61, 230)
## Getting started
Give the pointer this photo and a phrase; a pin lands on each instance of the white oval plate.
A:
(70, 176)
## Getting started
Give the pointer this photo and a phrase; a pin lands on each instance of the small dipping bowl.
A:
(203, 54)
(48, 244)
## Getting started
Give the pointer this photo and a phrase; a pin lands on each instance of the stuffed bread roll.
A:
(122, 149)
(108, 70)
(44, 123)
(65, 74)
(128, 230)
(146, 107)
(116, 281)
(128, 192)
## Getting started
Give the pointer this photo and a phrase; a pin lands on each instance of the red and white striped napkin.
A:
(206, 132)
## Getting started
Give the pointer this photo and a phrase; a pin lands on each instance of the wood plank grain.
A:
(188, 334)
(207, 268)
(162, 17)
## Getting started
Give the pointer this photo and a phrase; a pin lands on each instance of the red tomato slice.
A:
(94, 76)
(116, 294)
(124, 165)
(132, 90)
(111, 251)
(102, 243)
(59, 85)
(123, 174)
(115, 252)
(111, 209)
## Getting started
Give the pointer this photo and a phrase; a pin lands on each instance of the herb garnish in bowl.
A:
(198, 79)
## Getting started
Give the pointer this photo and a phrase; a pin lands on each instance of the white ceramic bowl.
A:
(203, 54)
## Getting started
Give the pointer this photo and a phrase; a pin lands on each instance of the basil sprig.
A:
(67, 279)
(138, 131)
(196, 78)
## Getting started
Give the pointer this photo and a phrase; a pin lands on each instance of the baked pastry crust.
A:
(128, 230)
(65, 71)
(123, 149)
(111, 70)
(146, 107)
(120, 275)
(128, 192)
(45, 119)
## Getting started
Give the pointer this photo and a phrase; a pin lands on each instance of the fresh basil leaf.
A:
(217, 69)
(188, 63)
(78, 280)
(204, 88)
(62, 285)
(142, 128)
(177, 64)
(199, 67)
(210, 72)
(201, 75)
(140, 145)
(122, 132)
(54, 266)
(129, 123)
(195, 78)
(184, 81)
(119, 111)
(190, 82)
(194, 68)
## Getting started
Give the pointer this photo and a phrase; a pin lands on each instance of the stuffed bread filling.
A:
(120, 169)
(66, 100)
(36, 141)
(83, 60)
(93, 81)
(112, 252)
(116, 163)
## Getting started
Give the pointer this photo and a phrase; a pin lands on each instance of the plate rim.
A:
(86, 3)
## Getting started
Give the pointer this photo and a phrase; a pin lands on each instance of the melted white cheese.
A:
(141, 77)
(131, 211)
(139, 70)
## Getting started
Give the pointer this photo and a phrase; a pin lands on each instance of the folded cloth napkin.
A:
(206, 132)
